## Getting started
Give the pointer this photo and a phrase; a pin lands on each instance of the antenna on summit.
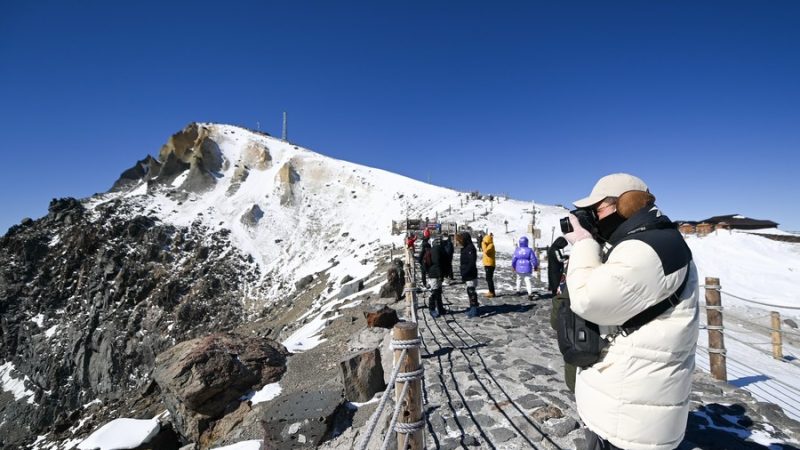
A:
(285, 133)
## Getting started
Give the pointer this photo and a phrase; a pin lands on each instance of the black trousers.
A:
(595, 442)
(490, 278)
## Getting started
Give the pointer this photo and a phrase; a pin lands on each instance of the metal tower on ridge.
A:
(284, 135)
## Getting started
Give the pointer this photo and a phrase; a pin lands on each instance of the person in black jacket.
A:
(424, 248)
(555, 263)
(469, 271)
(434, 266)
(449, 250)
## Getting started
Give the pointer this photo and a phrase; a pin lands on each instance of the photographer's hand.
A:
(579, 232)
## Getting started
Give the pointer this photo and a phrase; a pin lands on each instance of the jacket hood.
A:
(466, 239)
(523, 241)
(488, 239)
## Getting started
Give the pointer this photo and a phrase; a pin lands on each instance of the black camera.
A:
(587, 217)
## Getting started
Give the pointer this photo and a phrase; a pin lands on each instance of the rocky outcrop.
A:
(251, 217)
(190, 149)
(362, 374)
(145, 169)
(202, 379)
(87, 301)
(256, 156)
(285, 179)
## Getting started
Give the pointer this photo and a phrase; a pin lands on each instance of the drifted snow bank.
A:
(121, 434)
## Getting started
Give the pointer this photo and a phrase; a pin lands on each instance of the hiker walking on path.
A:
(524, 263)
(469, 271)
(633, 273)
(433, 263)
(487, 246)
(555, 263)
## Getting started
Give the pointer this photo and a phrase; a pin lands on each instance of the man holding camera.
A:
(631, 273)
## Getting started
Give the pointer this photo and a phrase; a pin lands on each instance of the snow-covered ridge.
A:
(310, 212)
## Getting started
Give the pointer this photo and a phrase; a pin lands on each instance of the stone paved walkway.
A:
(487, 377)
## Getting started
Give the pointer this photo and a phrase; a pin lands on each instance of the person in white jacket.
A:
(637, 396)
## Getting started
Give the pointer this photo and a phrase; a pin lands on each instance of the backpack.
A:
(427, 259)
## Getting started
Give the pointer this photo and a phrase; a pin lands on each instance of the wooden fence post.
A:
(777, 344)
(411, 409)
(716, 343)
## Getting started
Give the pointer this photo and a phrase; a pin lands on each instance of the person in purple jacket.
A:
(524, 263)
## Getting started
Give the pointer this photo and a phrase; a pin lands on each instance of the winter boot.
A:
(473, 302)
(440, 304)
(432, 302)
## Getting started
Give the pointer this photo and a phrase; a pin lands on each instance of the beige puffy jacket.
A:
(637, 395)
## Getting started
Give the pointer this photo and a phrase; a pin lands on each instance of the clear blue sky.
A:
(538, 99)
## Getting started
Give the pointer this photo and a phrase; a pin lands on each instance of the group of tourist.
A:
(435, 258)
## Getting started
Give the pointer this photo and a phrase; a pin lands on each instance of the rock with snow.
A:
(201, 378)
(251, 217)
(351, 288)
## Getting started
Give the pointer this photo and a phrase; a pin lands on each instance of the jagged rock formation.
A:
(88, 299)
(190, 149)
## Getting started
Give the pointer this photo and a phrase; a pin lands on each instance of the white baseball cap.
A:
(612, 185)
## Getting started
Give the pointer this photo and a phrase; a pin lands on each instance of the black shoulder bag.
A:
(579, 340)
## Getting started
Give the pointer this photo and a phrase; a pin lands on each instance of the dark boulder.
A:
(304, 419)
(201, 379)
(381, 316)
(362, 375)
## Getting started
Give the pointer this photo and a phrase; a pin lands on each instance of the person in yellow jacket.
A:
(487, 247)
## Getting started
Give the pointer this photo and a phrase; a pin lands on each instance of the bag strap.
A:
(649, 314)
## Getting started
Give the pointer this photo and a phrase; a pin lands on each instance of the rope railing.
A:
(410, 430)
(748, 300)
(406, 378)
(756, 324)
(716, 330)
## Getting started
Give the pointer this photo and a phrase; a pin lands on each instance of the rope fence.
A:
(716, 330)
(407, 421)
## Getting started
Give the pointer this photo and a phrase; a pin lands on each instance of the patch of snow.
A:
(14, 385)
(180, 178)
(121, 434)
(51, 331)
(357, 405)
(267, 393)
(93, 402)
(38, 320)
(140, 190)
(244, 445)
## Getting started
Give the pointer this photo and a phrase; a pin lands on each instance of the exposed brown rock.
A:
(202, 378)
(381, 316)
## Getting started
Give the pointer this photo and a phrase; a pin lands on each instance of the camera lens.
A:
(566, 226)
